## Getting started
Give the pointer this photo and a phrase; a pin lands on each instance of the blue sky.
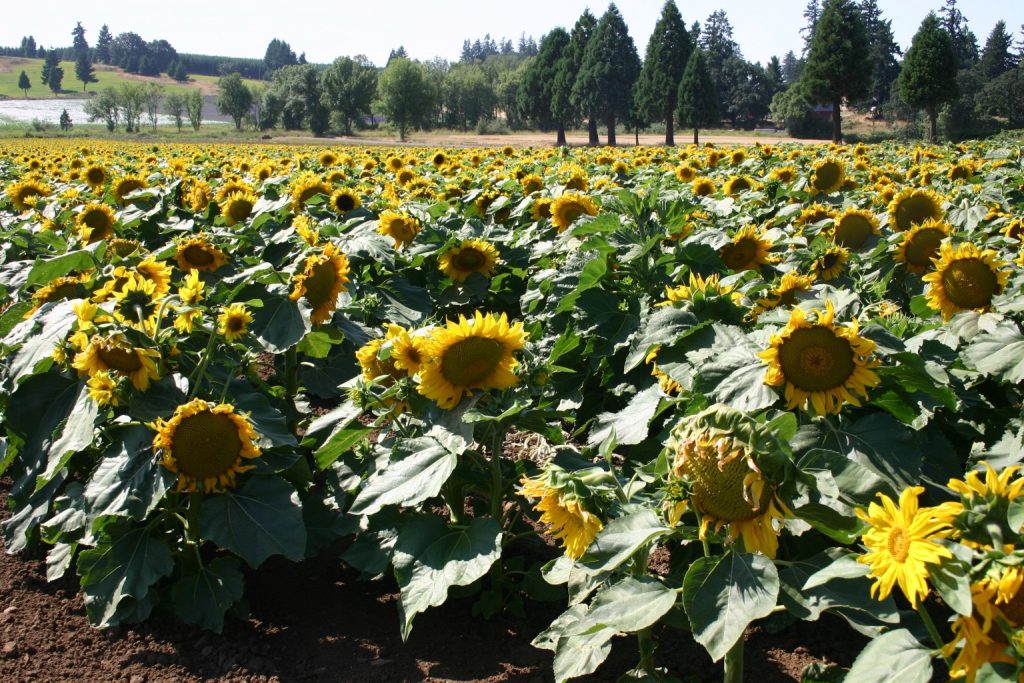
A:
(437, 28)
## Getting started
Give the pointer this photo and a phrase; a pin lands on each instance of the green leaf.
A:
(736, 378)
(996, 672)
(345, 433)
(581, 655)
(952, 580)
(412, 479)
(279, 324)
(722, 595)
(628, 606)
(76, 435)
(318, 344)
(623, 536)
(845, 566)
(430, 557)
(47, 269)
(663, 328)
(267, 420)
(129, 481)
(122, 567)
(591, 276)
(261, 519)
(892, 656)
(999, 353)
(56, 323)
(630, 425)
(202, 596)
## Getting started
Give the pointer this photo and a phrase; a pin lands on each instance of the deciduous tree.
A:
(175, 106)
(233, 98)
(403, 94)
(349, 86)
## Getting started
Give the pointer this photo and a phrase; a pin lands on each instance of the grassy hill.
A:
(11, 68)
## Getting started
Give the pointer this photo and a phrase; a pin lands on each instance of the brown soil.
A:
(315, 621)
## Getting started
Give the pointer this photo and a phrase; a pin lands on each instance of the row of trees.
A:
(129, 102)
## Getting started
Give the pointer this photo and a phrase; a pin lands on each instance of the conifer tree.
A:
(838, 66)
(611, 65)
(928, 77)
(997, 57)
(79, 44)
(103, 41)
(668, 51)
(84, 70)
(535, 96)
(24, 84)
(562, 104)
(53, 73)
(697, 99)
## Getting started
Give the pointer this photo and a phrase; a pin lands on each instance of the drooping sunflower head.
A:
(827, 176)
(853, 227)
(237, 207)
(718, 451)
(206, 445)
(477, 353)
(321, 281)
(116, 354)
(913, 206)
(25, 193)
(401, 227)
(965, 278)
(814, 213)
(821, 365)
(123, 248)
(305, 187)
(831, 263)
(987, 497)
(196, 253)
(58, 289)
(95, 222)
(344, 200)
(738, 184)
(468, 257)
(748, 250)
(568, 515)
(979, 638)
(921, 244)
(702, 187)
(125, 185)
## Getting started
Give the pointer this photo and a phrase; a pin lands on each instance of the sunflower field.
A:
(793, 374)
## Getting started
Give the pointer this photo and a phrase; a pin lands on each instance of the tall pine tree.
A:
(536, 91)
(84, 70)
(965, 43)
(563, 106)
(883, 50)
(668, 51)
(79, 44)
(611, 66)
(103, 41)
(838, 66)
(928, 77)
(52, 74)
(24, 84)
(697, 101)
(997, 57)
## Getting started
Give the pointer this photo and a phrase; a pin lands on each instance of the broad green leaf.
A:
(952, 581)
(623, 536)
(736, 378)
(661, 329)
(76, 435)
(581, 655)
(628, 606)
(129, 480)
(45, 270)
(722, 595)
(999, 353)
(430, 557)
(202, 596)
(56, 323)
(630, 425)
(278, 324)
(892, 656)
(845, 566)
(318, 344)
(996, 672)
(267, 420)
(120, 568)
(411, 480)
(58, 560)
(261, 519)
(591, 276)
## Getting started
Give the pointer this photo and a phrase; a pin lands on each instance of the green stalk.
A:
(734, 663)
(195, 508)
(933, 631)
(497, 485)
(196, 377)
(452, 496)
(291, 384)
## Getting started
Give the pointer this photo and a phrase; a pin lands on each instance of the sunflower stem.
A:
(291, 383)
(497, 571)
(196, 378)
(733, 663)
(933, 632)
(452, 496)
(195, 508)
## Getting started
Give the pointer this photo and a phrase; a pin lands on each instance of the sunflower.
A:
(304, 188)
(371, 363)
(136, 302)
(902, 542)
(827, 176)
(196, 253)
(994, 485)
(831, 264)
(685, 173)
(116, 354)
(470, 354)
(853, 227)
(125, 185)
(327, 159)
(123, 248)
(95, 176)
(196, 195)
(541, 208)
(469, 256)
(237, 206)
(233, 321)
(229, 187)
(26, 193)
(747, 251)
(717, 451)
(344, 200)
(702, 187)
(921, 244)
(401, 227)
(980, 636)
(785, 293)
(321, 281)
(564, 513)
(205, 445)
(568, 207)
(712, 286)
(965, 278)
(439, 159)
(962, 170)
(532, 183)
(913, 206)
(783, 174)
(814, 213)
(737, 184)
(820, 364)
(102, 389)
(95, 222)
(409, 350)
(58, 289)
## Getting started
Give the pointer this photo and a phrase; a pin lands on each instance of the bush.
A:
(41, 126)
(492, 127)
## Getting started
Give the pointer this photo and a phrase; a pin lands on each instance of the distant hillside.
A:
(11, 68)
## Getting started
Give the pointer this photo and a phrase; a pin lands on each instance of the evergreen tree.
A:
(774, 74)
(791, 68)
(65, 121)
(563, 106)
(997, 58)
(812, 13)
(84, 70)
(697, 100)
(103, 45)
(79, 44)
(399, 53)
(610, 68)
(28, 47)
(53, 73)
(24, 84)
(536, 92)
(965, 44)
(928, 77)
(233, 99)
(883, 50)
(838, 65)
(719, 47)
(278, 54)
(668, 50)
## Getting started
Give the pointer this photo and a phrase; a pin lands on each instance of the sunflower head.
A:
(567, 512)
(116, 354)
(814, 213)
(206, 445)
(827, 176)
(344, 200)
(786, 293)
(401, 227)
(125, 185)
(237, 207)
(196, 253)
(921, 244)
(702, 187)
(233, 321)
(137, 302)
(831, 263)
(321, 281)
(821, 365)
(748, 250)
(95, 176)
(965, 278)
(913, 206)
(468, 257)
(853, 227)
(25, 193)
(305, 187)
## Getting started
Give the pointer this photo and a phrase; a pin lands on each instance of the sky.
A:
(437, 28)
